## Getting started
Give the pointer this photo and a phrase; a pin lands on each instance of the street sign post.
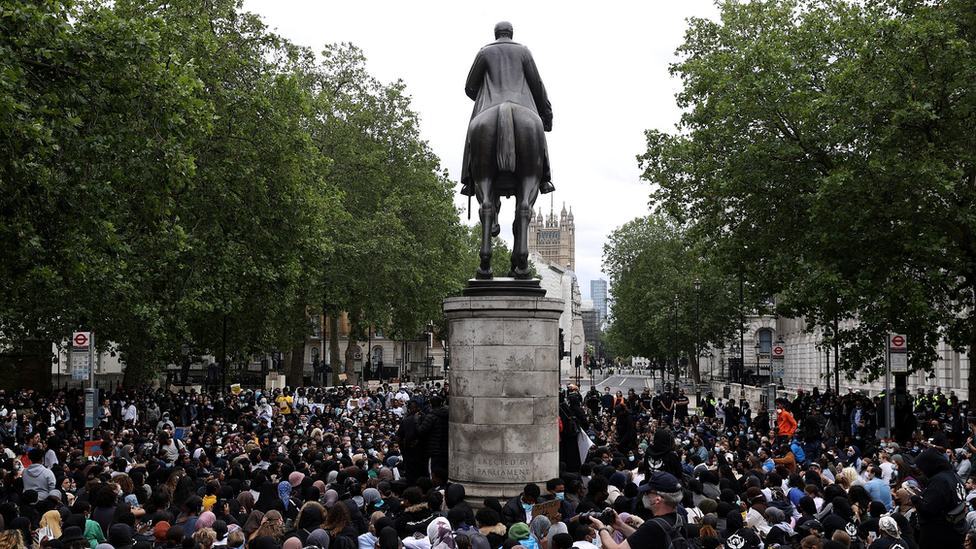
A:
(83, 366)
(777, 363)
(897, 365)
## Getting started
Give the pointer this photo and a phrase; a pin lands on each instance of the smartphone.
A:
(872, 536)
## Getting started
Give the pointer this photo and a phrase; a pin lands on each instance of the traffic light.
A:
(562, 345)
(579, 361)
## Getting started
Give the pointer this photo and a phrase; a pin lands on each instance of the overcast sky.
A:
(604, 64)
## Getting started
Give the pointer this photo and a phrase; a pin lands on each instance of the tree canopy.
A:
(172, 167)
(651, 262)
(826, 151)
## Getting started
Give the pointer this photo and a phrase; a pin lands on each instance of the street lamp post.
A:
(758, 356)
(698, 325)
(836, 357)
(667, 355)
(676, 352)
(827, 333)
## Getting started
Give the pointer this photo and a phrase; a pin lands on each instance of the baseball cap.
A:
(660, 482)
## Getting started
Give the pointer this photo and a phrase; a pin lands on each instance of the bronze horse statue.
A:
(505, 153)
(507, 146)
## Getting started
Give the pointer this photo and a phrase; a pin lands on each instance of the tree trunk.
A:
(136, 372)
(351, 361)
(296, 366)
(693, 362)
(334, 361)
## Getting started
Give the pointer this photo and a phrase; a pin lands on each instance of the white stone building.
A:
(562, 284)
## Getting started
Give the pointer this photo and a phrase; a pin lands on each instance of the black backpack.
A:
(675, 534)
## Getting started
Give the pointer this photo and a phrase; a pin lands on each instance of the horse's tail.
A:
(506, 138)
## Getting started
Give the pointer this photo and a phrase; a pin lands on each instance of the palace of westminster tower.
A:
(554, 239)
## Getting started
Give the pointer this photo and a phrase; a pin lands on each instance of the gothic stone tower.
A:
(554, 239)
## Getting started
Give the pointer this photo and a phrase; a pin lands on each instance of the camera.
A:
(607, 517)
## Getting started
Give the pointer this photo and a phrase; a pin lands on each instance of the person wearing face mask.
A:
(785, 424)
(519, 508)
(557, 491)
(661, 494)
(935, 436)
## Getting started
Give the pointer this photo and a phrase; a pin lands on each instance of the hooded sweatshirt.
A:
(39, 478)
(943, 491)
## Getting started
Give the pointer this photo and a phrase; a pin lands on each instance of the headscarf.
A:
(267, 496)
(370, 497)
(246, 499)
(52, 519)
(23, 524)
(253, 522)
(440, 535)
(310, 517)
(318, 538)
(331, 497)
(388, 539)
(538, 527)
(321, 486)
(205, 520)
(284, 493)
(559, 527)
(708, 505)
(312, 493)
(888, 526)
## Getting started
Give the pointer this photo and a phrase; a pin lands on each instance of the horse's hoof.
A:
(495, 229)
(484, 274)
(520, 273)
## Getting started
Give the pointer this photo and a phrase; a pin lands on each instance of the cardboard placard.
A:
(548, 508)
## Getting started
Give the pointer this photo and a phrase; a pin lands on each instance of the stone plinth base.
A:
(504, 422)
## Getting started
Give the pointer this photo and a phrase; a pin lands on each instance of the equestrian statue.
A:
(505, 153)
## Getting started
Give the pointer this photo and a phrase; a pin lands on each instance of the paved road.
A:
(623, 382)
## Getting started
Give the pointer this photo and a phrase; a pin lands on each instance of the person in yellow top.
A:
(284, 402)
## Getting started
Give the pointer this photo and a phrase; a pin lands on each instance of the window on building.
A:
(314, 354)
(316, 326)
(377, 355)
(765, 341)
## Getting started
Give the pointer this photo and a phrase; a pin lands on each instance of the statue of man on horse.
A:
(505, 153)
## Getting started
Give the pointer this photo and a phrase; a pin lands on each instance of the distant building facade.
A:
(554, 238)
(598, 294)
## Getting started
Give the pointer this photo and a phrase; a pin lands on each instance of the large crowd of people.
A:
(367, 468)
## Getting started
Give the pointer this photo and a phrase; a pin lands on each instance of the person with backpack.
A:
(941, 505)
(661, 494)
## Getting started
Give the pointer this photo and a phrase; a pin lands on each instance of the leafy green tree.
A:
(826, 153)
(398, 251)
(93, 108)
(255, 212)
(650, 262)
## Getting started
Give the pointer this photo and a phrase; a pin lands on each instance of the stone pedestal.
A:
(504, 421)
